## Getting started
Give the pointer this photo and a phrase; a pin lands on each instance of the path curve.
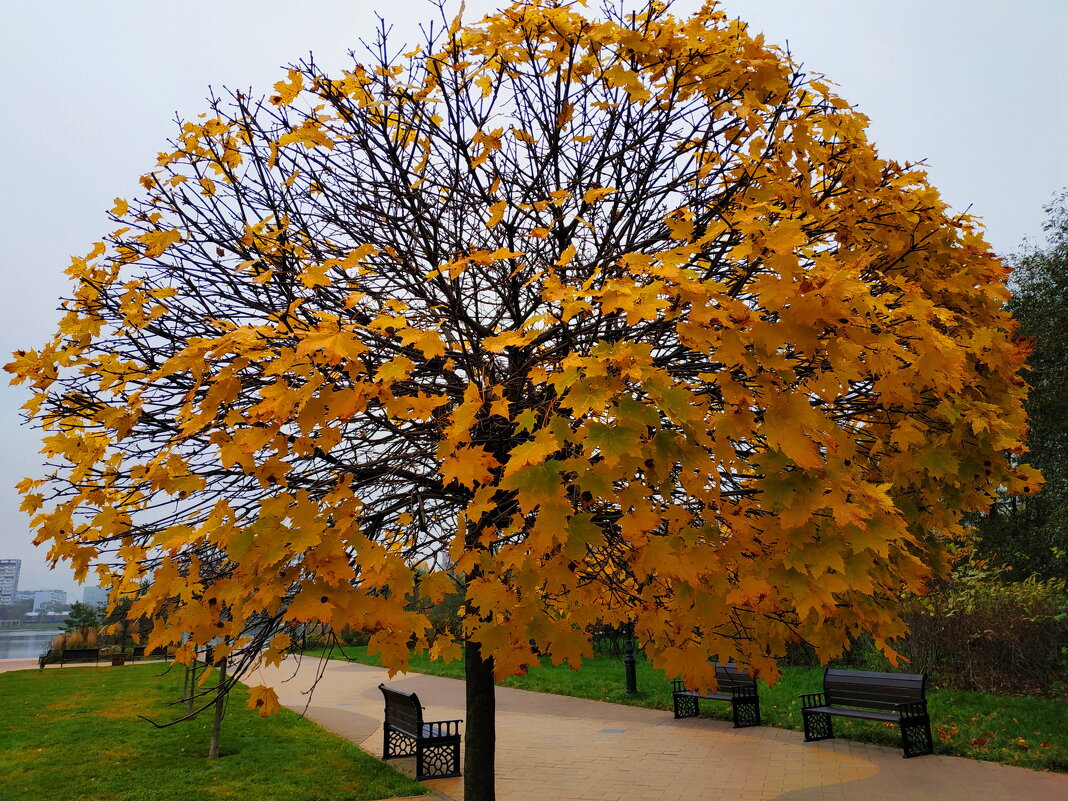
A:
(557, 748)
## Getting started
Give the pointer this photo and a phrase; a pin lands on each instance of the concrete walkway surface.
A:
(556, 748)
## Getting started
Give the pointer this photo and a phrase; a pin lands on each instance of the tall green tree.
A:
(82, 617)
(1030, 535)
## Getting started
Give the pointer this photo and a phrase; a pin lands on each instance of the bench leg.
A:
(437, 761)
(396, 744)
(916, 737)
(746, 712)
(685, 706)
(817, 726)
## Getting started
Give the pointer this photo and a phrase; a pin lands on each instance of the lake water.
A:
(25, 643)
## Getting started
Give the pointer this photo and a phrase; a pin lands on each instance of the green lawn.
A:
(73, 734)
(1030, 732)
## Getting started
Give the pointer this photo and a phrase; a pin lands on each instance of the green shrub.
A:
(985, 634)
(353, 638)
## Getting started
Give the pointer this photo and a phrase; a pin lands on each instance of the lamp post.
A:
(628, 662)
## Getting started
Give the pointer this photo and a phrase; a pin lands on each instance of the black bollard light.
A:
(628, 663)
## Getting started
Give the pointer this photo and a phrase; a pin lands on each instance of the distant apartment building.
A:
(9, 579)
(42, 597)
(95, 596)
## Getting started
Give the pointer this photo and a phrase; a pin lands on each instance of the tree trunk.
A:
(220, 707)
(481, 732)
(187, 688)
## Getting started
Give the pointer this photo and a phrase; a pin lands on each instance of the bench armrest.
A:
(912, 709)
(743, 690)
(811, 699)
(444, 728)
(678, 686)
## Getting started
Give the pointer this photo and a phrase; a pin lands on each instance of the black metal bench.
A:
(435, 745)
(735, 685)
(79, 655)
(890, 697)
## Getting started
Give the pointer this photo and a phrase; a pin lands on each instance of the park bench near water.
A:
(735, 685)
(79, 655)
(890, 697)
(435, 745)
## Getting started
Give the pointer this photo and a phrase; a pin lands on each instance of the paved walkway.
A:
(553, 748)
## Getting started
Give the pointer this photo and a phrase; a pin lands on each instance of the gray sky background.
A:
(975, 87)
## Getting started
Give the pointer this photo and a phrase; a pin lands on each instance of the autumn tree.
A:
(590, 319)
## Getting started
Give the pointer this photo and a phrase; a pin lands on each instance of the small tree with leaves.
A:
(82, 617)
(592, 320)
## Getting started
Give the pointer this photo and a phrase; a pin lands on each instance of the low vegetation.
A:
(984, 633)
(75, 734)
(1024, 731)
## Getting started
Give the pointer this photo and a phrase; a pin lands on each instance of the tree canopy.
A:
(1031, 536)
(82, 617)
(595, 319)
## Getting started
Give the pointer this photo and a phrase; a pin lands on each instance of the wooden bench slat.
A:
(872, 677)
(864, 714)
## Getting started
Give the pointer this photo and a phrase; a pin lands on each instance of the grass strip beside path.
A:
(74, 734)
(1024, 731)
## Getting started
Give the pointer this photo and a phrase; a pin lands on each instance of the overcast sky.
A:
(975, 87)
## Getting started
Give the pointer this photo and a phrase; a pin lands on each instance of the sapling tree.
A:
(594, 320)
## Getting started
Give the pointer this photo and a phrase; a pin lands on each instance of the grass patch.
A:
(1024, 731)
(73, 733)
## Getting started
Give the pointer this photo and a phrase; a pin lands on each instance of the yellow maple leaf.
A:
(429, 342)
(156, 242)
(620, 76)
(544, 445)
(309, 134)
(469, 466)
(435, 586)
(595, 194)
(264, 700)
(506, 339)
(496, 213)
(396, 369)
(522, 136)
(445, 649)
(680, 223)
(314, 274)
(288, 90)
(504, 253)
(485, 83)
(336, 345)
(785, 236)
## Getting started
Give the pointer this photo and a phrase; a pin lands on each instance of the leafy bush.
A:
(349, 637)
(982, 633)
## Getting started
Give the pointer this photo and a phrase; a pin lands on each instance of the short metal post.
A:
(628, 663)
